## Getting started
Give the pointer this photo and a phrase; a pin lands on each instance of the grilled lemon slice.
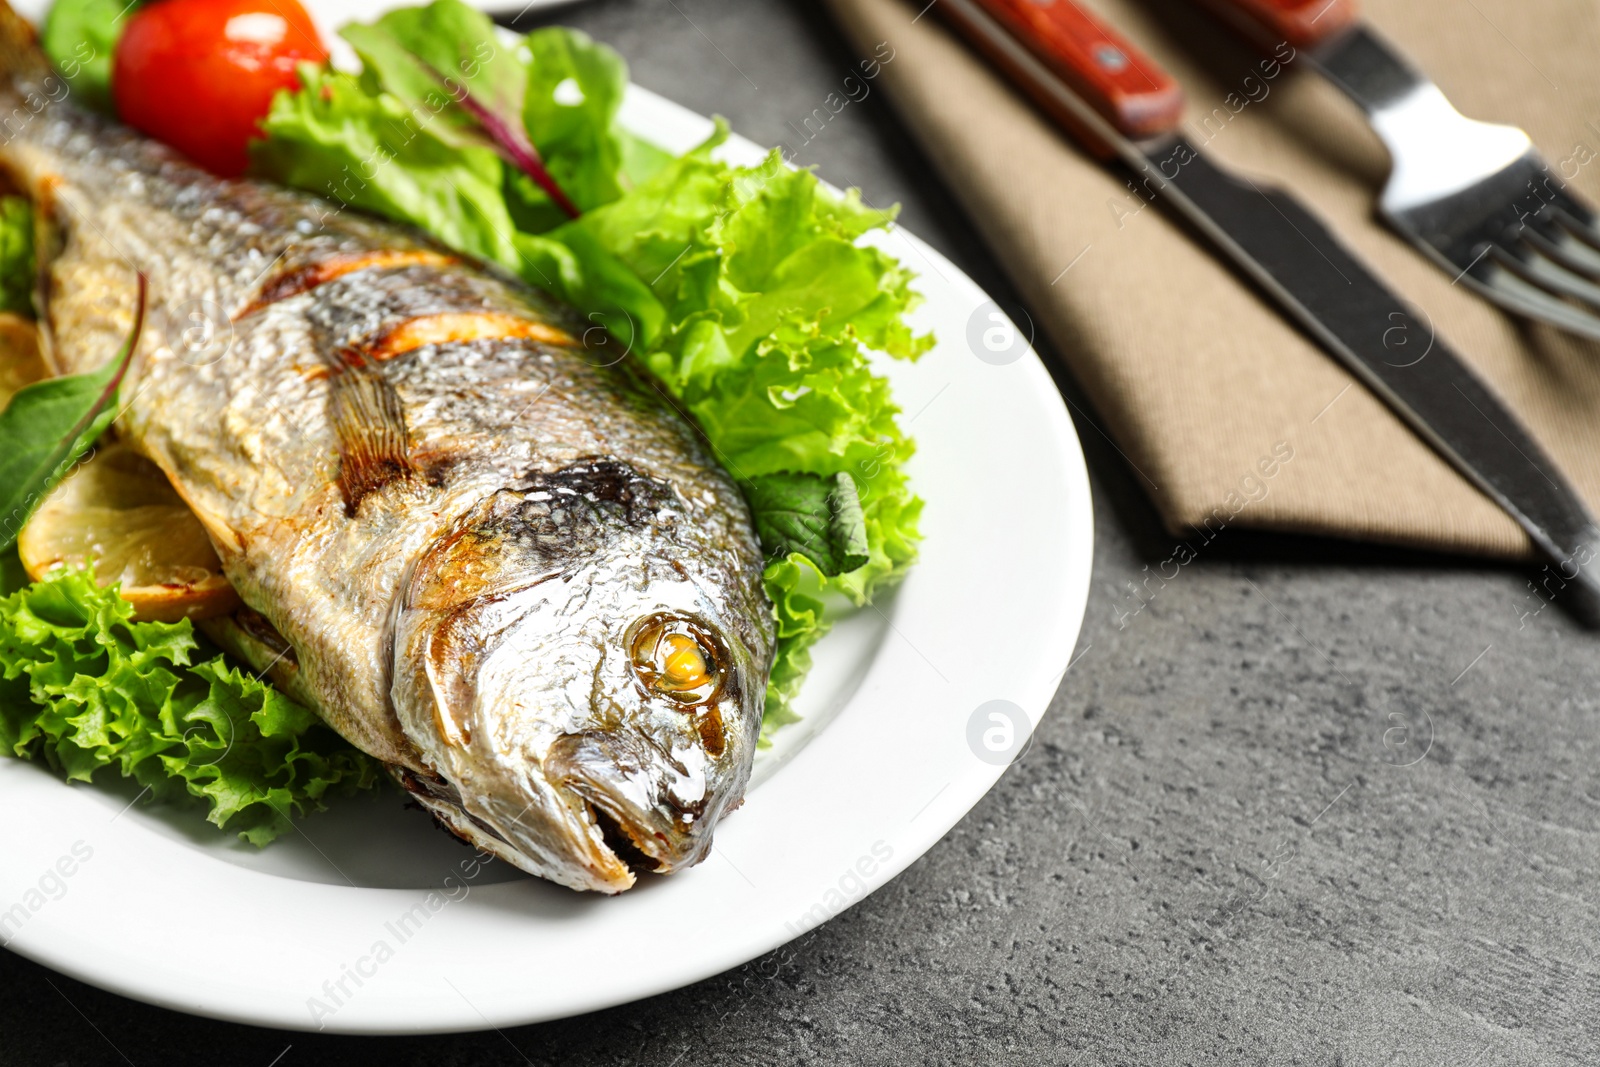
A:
(118, 512)
(21, 362)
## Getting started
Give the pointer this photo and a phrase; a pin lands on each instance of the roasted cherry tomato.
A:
(200, 74)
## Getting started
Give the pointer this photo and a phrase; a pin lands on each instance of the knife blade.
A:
(1121, 105)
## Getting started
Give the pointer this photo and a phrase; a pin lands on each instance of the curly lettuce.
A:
(83, 687)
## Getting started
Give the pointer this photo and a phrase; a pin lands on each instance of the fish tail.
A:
(21, 58)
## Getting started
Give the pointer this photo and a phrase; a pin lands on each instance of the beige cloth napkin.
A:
(1203, 385)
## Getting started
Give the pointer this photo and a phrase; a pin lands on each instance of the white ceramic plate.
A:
(371, 921)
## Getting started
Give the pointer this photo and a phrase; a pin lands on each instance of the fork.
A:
(1475, 197)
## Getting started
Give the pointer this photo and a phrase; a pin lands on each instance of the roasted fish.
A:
(499, 563)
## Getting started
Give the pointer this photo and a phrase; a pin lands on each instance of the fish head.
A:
(584, 662)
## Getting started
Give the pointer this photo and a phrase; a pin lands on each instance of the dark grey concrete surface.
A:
(1220, 850)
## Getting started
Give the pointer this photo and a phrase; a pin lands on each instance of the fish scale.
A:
(452, 520)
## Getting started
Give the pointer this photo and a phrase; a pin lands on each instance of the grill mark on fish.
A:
(374, 444)
(450, 327)
(455, 327)
(602, 480)
(44, 194)
(305, 278)
(560, 517)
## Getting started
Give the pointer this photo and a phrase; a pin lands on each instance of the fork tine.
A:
(1576, 217)
(1562, 238)
(1506, 287)
(1553, 272)
(1537, 261)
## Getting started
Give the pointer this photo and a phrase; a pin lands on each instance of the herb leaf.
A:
(16, 256)
(50, 424)
(325, 137)
(512, 141)
(574, 91)
(817, 516)
(447, 64)
(419, 54)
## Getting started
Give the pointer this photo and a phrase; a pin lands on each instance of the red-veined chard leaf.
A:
(462, 83)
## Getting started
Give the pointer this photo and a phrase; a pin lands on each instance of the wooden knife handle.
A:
(1124, 85)
(1302, 23)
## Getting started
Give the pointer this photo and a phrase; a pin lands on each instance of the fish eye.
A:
(676, 658)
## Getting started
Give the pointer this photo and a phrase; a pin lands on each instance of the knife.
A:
(1121, 105)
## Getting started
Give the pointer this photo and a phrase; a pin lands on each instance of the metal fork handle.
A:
(1331, 36)
(1369, 71)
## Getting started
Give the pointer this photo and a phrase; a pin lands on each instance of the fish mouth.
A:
(583, 852)
(616, 805)
(634, 792)
(622, 841)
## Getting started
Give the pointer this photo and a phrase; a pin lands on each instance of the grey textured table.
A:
(1219, 851)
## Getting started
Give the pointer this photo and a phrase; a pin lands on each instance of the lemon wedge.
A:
(118, 512)
(21, 361)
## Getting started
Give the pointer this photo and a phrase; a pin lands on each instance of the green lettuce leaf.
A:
(83, 687)
(371, 151)
(79, 36)
(408, 50)
(17, 276)
(574, 90)
(448, 65)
